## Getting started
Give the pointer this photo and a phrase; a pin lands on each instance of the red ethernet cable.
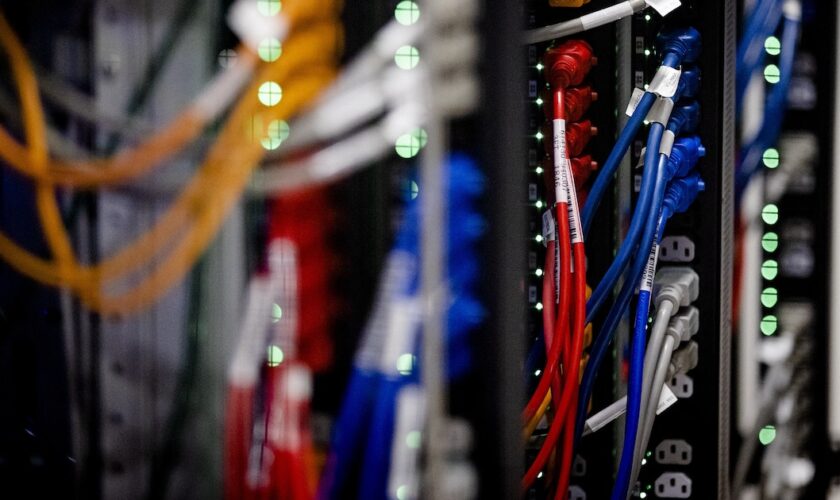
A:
(569, 234)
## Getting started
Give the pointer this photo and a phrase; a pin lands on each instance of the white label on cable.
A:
(606, 16)
(561, 157)
(575, 228)
(548, 227)
(635, 99)
(666, 399)
(663, 7)
(650, 268)
(665, 82)
(618, 408)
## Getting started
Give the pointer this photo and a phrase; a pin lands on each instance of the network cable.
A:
(599, 348)
(169, 225)
(776, 102)
(684, 119)
(593, 20)
(677, 47)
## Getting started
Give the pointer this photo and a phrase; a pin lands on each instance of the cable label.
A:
(665, 82)
(650, 268)
(660, 112)
(666, 399)
(635, 99)
(548, 229)
(663, 7)
(561, 158)
(575, 229)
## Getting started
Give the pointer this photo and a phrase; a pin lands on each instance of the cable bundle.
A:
(385, 376)
(311, 34)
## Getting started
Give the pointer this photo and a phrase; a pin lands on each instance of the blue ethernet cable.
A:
(364, 429)
(637, 350)
(684, 118)
(684, 158)
(643, 206)
(774, 110)
(762, 22)
(677, 47)
(680, 194)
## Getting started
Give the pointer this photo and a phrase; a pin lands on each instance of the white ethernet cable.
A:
(341, 159)
(598, 18)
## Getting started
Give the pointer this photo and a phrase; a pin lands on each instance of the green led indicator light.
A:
(270, 93)
(407, 13)
(402, 492)
(539, 306)
(769, 297)
(772, 73)
(647, 52)
(770, 214)
(539, 101)
(539, 170)
(540, 67)
(270, 49)
(275, 355)
(769, 325)
(276, 313)
(770, 242)
(278, 131)
(766, 435)
(539, 136)
(769, 269)
(771, 158)
(269, 7)
(405, 363)
(408, 145)
(773, 46)
(407, 57)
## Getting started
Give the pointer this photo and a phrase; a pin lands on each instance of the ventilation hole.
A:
(673, 481)
(673, 448)
(684, 489)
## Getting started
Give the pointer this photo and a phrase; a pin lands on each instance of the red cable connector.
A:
(578, 100)
(578, 136)
(568, 63)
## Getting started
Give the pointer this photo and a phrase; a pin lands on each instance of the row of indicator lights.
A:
(770, 239)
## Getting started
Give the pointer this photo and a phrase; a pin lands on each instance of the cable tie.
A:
(665, 82)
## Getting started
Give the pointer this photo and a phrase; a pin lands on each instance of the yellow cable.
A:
(535, 420)
(35, 131)
(135, 162)
(218, 177)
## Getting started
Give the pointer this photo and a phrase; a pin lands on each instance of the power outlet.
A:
(682, 386)
(676, 249)
(673, 485)
(576, 493)
(673, 452)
